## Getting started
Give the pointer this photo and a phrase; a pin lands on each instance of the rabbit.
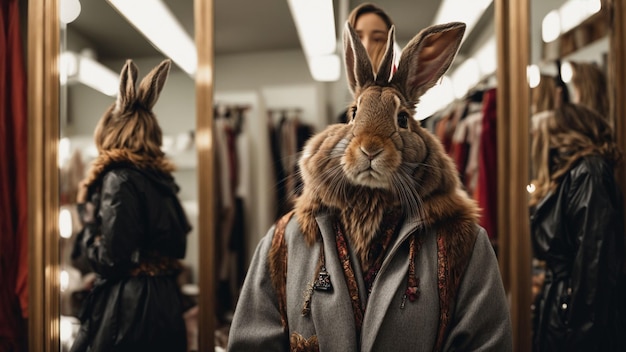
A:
(382, 157)
(378, 192)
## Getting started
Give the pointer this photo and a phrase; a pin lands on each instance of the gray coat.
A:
(480, 322)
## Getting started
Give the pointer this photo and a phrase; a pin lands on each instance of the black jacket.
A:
(578, 231)
(135, 232)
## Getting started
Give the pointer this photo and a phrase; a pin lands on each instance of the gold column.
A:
(617, 78)
(43, 182)
(513, 100)
(204, 145)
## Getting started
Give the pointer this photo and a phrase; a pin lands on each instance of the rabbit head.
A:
(130, 124)
(382, 159)
(129, 131)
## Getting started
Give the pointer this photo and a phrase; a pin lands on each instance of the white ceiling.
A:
(240, 25)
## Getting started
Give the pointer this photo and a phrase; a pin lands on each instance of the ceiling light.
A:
(468, 12)
(157, 23)
(315, 23)
(567, 72)
(65, 223)
(325, 68)
(574, 12)
(97, 76)
(533, 75)
(551, 26)
(69, 10)
(88, 71)
(569, 15)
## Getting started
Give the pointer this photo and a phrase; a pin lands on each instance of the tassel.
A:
(306, 308)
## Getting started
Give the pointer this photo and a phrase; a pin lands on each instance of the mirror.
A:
(94, 46)
(240, 83)
(575, 42)
(260, 69)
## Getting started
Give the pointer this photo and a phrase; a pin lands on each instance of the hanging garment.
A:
(13, 178)
(488, 168)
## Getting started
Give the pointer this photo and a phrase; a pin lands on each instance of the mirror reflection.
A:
(96, 42)
(267, 104)
(576, 206)
(262, 70)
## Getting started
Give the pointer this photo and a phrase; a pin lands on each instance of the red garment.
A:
(13, 179)
(459, 151)
(487, 167)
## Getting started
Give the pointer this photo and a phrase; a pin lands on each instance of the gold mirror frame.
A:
(512, 26)
(513, 97)
(617, 80)
(513, 42)
(43, 176)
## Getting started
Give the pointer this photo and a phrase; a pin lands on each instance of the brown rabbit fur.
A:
(383, 159)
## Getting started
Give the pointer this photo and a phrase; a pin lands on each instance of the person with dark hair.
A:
(577, 230)
(372, 24)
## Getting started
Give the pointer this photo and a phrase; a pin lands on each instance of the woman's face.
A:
(373, 32)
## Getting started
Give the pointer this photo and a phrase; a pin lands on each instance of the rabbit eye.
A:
(403, 119)
(353, 113)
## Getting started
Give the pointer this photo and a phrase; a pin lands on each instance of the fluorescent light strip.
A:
(97, 76)
(157, 23)
(315, 23)
(84, 69)
(465, 11)
(325, 68)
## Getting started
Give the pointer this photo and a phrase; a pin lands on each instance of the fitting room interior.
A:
(249, 66)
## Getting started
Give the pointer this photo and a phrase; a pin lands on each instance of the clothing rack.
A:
(283, 114)
(487, 82)
(234, 112)
(287, 137)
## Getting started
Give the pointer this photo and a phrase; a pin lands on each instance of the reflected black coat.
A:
(137, 214)
(578, 231)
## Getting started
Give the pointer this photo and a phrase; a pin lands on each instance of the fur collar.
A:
(110, 159)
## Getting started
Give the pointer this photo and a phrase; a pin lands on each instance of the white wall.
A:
(282, 70)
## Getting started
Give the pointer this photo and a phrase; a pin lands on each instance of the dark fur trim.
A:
(107, 159)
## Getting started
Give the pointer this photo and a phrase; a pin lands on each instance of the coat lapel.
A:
(392, 274)
(338, 333)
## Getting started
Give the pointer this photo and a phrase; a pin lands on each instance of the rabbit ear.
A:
(427, 57)
(384, 71)
(151, 86)
(126, 95)
(358, 65)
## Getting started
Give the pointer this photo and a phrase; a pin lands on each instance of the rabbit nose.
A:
(371, 152)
